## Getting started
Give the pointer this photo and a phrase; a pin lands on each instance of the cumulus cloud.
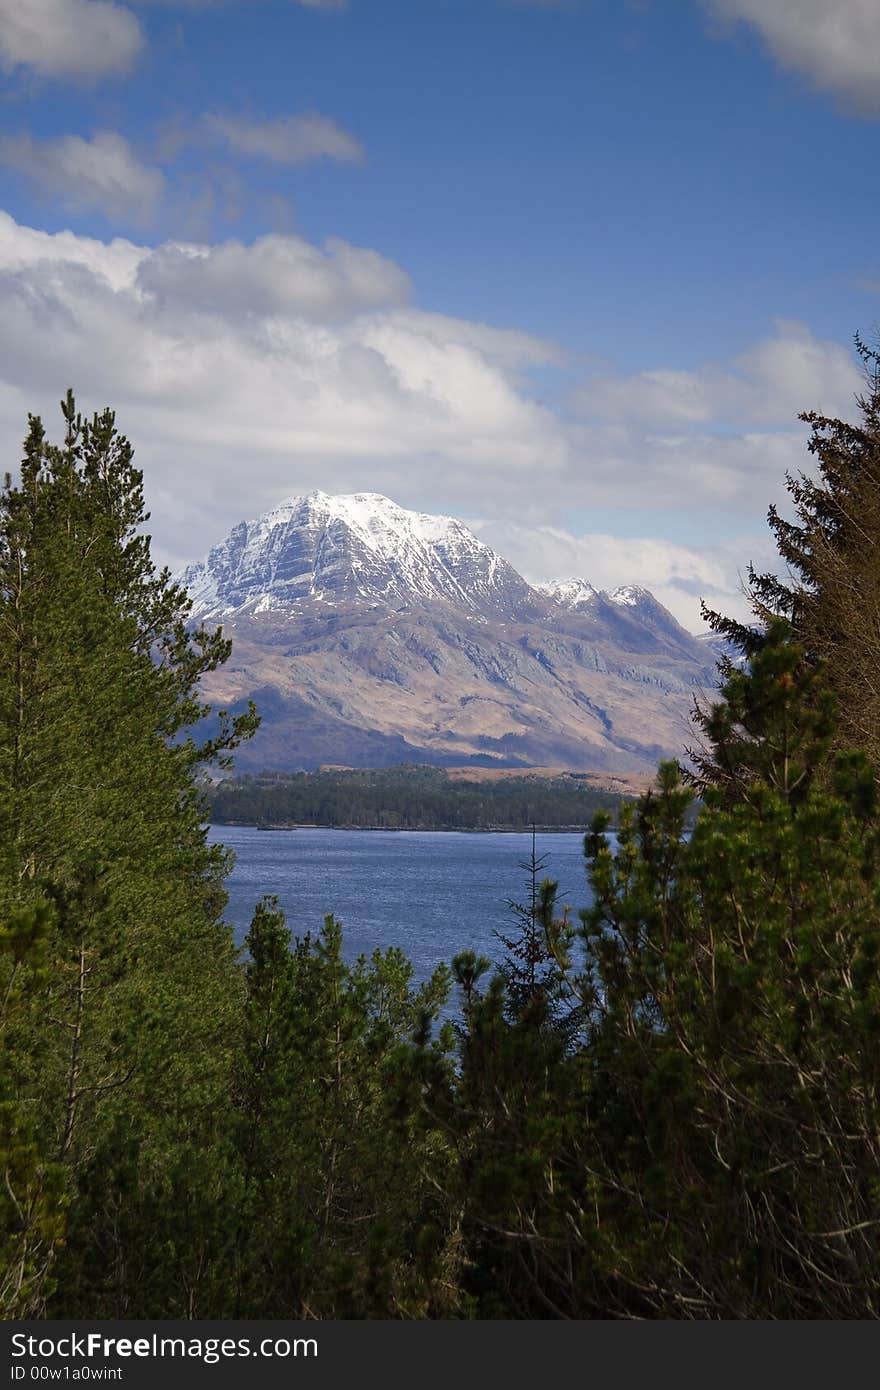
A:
(678, 575)
(836, 45)
(274, 276)
(68, 38)
(785, 373)
(659, 395)
(103, 173)
(247, 373)
(302, 139)
(107, 174)
(26, 253)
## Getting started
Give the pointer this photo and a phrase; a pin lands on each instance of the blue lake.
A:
(430, 893)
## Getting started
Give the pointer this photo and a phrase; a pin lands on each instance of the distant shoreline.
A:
(413, 829)
(412, 798)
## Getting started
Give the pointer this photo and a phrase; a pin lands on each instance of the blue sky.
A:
(566, 270)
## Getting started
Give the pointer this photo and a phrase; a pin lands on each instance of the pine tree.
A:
(530, 968)
(333, 1195)
(527, 966)
(99, 816)
(710, 1150)
(733, 985)
(774, 730)
(32, 1198)
(831, 592)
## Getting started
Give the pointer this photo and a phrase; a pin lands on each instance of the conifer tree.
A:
(711, 1149)
(332, 1196)
(502, 1109)
(528, 964)
(830, 593)
(530, 968)
(733, 985)
(32, 1198)
(99, 816)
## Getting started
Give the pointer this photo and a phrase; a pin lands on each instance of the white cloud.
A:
(247, 373)
(836, 43)
(72, 38)
(27, 254)
(786, 373)
(678, 575)
(274, 276)
(102, 173)
(660, 395)
(794, 371)
(302, 139)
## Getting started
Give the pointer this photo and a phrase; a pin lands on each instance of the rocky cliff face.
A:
(360, 549)
(372, 635)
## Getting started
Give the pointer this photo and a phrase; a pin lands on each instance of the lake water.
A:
(431, 893)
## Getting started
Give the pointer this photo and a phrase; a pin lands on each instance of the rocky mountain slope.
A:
(371, 635)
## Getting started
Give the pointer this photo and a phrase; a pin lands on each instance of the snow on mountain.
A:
(629, 605)
(369, 634)
(630, 595)
(579, 595)
(360, 547)
(569, 593)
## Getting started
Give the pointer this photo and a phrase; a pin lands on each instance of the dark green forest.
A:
(667, 1106)
(409, 797)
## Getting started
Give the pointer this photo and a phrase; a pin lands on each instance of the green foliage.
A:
(503, 1111)
(711, 1150)
(120, 1048)
(774, 725)
(671, 1109)
(32, 1196)
(733, 986)
(830, 590)
(335, 1200)
(406, 798)
(530, 968)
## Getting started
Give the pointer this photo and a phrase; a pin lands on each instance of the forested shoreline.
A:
(667, 1107)
(408, 797)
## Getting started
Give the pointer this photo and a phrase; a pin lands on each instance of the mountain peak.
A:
(375, 515)
(569, 593)
(631, 595)
(353, 547)
(372, 634)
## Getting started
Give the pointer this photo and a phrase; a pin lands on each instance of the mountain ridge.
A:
(372, 635)
(356, 546)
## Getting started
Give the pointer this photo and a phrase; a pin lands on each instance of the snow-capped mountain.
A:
(569, 593)
(630, 595)
(356, 548)
(369, 634)
(642, 607)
